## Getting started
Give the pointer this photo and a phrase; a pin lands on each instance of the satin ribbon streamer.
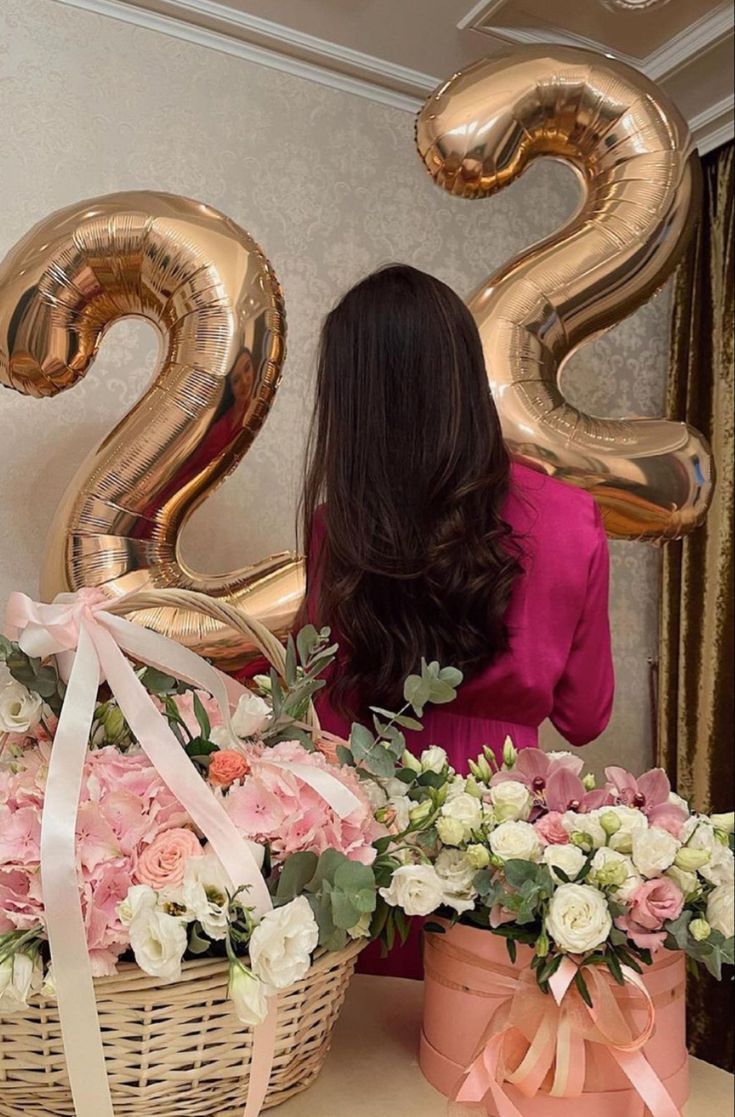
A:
(531, 1033)
(89, 643)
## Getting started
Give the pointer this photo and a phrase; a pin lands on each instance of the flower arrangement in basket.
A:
(598, 894)
(185, 877)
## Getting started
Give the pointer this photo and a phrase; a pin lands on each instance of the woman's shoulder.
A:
(544, 506)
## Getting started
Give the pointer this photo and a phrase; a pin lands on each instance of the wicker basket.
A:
(178, 1050)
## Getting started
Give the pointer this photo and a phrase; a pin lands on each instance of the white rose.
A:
(140, 897)
(19, 708)
(450, 831)
(20, 976)
(568, 858)
(466, 809)
(511, 800)
(433, 760)
(248, 995)
(516, 841)
(588, 824)
(250, 716)
(418, 889)
(282, 944)
(159, 943)
(654, 851)
(614, 870)
(457, 873)
(579, 918)
(631, 821)
(721, 909)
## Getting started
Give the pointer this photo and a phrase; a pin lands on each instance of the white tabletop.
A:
(373, 1069)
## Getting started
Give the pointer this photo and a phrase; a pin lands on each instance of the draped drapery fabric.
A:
(696, 732)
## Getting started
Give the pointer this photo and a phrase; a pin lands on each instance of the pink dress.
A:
(559, 661)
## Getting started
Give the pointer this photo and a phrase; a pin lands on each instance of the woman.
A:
(424, 540)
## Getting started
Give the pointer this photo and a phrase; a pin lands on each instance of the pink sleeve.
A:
(583, 697)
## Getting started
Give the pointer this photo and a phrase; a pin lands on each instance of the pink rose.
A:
(226, 767)
(163, 862)
(550, 830)
(655, 902)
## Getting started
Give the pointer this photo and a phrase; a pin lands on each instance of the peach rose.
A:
(226, 767)
(162, 864)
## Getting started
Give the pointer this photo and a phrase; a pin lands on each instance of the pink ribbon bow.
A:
(89, 643)
(531, 1034)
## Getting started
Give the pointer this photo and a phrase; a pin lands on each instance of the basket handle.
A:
(256, 632)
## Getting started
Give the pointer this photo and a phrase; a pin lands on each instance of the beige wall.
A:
(330, 185)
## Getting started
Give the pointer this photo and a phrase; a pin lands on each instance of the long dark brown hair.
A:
(406, 450)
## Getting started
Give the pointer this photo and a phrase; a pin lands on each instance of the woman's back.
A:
(558, 662)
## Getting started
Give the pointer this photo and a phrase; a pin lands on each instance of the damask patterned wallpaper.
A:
(329, 184)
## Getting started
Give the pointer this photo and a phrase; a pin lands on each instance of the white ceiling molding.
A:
(714, 126)
(228, 42)
(678, 52)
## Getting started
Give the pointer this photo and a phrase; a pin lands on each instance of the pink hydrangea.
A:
(274, 805)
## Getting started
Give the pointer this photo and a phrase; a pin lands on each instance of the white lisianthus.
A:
(48, 988)
(455, 788)
(250, 716)
(478, 855)
(632, 821)
(568, 858)
(282, 944)
(719, 868)
(20, 976)
(19, 708)
(511, 800)
(248, 995)
(614, 870)
(579, 918)
(465, 809)
(587, 824)
(516, 841)
(140, 898)
(450, 831)
(159, 942)
(418, 889)
(433, 760)
(721, 909)
(654, 851)
(687, 882)
(457, 873)
(723, 822)
(204, 894)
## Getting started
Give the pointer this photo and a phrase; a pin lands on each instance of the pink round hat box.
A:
(455, 1018)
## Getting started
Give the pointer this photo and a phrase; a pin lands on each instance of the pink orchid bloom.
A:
(534, 767)
(650, 794)
(566, 792)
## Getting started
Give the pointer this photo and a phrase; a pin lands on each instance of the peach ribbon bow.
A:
(89, 644)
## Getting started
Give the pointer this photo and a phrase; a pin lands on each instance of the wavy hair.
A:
(406, 450)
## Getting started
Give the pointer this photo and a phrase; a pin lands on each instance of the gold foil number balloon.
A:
(211, 293)
(641, 181)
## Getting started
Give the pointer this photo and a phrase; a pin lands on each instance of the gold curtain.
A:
(696, 731)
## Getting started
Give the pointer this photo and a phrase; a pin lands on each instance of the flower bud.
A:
(114, 723)
(472, 788)
(700, 930)
(510, 753)
(408, 760)
(589, 781)
(610, 823)
(724, 822)
(542, 944)
(421, 812)
(478, 856)
(583, 841)
(691, 859)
